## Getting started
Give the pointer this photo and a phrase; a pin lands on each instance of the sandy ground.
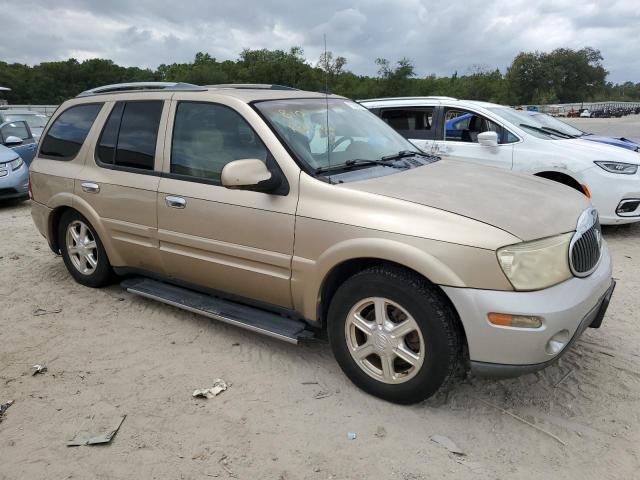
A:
(289, 408)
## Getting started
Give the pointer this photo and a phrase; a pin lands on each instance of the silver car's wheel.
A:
(384, 340)
(82, 247)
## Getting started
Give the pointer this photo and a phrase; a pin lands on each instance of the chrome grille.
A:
(586, 244)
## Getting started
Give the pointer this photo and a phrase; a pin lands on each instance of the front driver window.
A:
(464, 126)
(207, 136)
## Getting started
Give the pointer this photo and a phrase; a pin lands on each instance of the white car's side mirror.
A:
(488, 139)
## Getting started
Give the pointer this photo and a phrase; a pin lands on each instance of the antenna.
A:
(326, 98)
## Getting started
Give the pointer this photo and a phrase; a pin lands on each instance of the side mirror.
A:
(488, 139)
(251, 174)
(13, 140)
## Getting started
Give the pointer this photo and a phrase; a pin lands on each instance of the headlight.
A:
(618, 167)
(538, 264)
(16, 164)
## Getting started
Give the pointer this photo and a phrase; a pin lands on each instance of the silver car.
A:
(14, 175)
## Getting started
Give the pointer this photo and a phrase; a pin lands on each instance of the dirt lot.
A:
(289, 408)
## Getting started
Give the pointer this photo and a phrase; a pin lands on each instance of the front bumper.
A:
(14, 184)
(571, 306)
(609, 191)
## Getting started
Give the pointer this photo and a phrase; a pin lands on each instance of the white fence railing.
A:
(563, 108)
(45, 109)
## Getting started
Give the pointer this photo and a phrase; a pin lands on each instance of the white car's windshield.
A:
(34, 121)
(549, 121)
(532, 123)
(325, 133)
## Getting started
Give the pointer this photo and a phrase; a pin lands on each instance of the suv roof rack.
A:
(431, 97)
(252, 86)
(137, 86)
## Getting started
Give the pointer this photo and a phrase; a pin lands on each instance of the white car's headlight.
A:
(16, 164)
(538, 264)
(618, 167)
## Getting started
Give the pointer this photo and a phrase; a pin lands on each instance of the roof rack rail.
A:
(252, 86)
(137, 86)
(424, 97)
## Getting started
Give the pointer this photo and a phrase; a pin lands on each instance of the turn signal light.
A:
(517, 321)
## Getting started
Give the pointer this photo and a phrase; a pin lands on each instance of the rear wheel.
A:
(393, 334)
(83, 252)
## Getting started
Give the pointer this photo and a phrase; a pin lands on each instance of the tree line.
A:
(561, 76)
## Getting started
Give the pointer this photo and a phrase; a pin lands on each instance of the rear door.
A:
(19, 129)
(416, 124)
(121, 181)
(457, 138)
(234, 241)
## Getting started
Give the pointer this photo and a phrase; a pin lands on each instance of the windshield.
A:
(532, 124)
(353, 132)
(549, 121)
(34, 121)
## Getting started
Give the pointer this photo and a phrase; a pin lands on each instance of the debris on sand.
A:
(352, 435)
(447, 443)
(42, 311)
(381, 432)
(218, 387)
(4, 407)
(82, 438)
(36, 369)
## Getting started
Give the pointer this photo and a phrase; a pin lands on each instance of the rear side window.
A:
(411, 123)
(129, 137)
(69, 131)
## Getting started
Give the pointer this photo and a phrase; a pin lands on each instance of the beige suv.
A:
(293, 213)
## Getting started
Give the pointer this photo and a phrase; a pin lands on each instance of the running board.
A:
(250, 318)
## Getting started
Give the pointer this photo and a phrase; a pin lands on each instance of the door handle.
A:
(90, 187)
(175, 202)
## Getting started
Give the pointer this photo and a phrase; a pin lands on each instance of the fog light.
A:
(557, 342)
(518, 321)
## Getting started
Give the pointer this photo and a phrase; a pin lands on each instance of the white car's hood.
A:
(592, 151)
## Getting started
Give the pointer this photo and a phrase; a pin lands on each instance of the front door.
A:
(457, 139)
(236, 242)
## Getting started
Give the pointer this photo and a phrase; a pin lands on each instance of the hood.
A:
(527, 207)
(591, 151)
(616, 142)
(7, 155)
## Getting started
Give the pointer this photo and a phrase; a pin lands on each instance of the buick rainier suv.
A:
(302, 215)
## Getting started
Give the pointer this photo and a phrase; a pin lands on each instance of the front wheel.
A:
(393, 334)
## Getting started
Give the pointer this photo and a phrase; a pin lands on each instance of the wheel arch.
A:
(74, 203)
(563, 178)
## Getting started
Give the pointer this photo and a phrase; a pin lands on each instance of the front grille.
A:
(586, 245)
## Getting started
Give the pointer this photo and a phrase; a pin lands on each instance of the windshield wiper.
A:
(401, 154)
(547, 131)
(358, 161)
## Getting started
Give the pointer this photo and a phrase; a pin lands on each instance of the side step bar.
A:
(250, 318)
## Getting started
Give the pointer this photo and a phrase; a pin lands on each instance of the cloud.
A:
(439, 36)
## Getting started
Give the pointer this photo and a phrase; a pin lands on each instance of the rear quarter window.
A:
(69, 131)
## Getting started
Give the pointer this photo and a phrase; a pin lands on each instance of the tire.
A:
(434, 338)
(89, 265)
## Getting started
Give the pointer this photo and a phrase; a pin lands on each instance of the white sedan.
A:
(498, 136)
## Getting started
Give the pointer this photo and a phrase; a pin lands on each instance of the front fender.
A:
(308, 276)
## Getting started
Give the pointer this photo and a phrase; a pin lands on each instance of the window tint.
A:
(136, 146)
(15, 129)
(410, 122)
(69, 130)
(462, 126)
(109, 138)
(207, 136)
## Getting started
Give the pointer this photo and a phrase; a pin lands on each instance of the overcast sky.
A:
(439, 36)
